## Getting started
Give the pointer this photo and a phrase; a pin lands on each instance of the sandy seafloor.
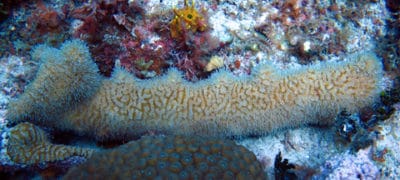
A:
(235, 21)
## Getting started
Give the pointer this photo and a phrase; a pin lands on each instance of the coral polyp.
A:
(175, 157)
(187, 18)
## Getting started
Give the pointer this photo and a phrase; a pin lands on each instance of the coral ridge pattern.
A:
(69, 94)
(29, 144)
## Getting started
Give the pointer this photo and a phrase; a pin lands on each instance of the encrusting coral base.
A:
(28, 144)
(223, 105)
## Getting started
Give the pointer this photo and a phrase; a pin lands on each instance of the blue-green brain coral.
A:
(172, 157)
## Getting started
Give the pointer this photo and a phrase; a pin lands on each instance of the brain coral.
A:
(172, 157)
(72, 98)
(28, 144)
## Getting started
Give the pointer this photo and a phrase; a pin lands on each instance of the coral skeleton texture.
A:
(28, 144)
(223, 105)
